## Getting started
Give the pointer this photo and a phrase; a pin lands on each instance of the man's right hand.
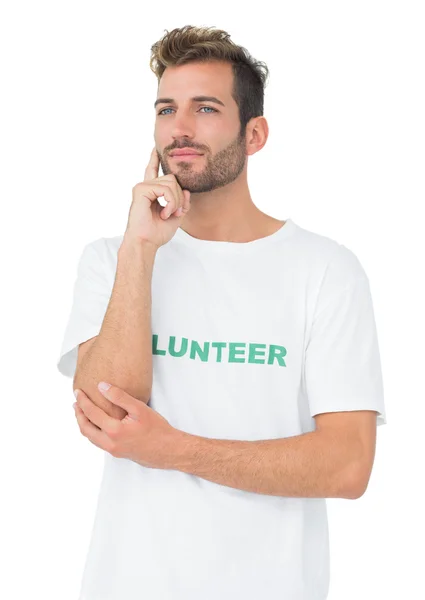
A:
(148, 221)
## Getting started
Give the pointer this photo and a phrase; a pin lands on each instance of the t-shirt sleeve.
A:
(92, 292)
(342, 361)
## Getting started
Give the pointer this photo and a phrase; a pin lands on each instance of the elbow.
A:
(354, 493)
(355, 484)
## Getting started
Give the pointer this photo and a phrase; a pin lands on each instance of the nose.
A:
(183, 126)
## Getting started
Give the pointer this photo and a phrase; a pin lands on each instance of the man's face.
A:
(205, 126)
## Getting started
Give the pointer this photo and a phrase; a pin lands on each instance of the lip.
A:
(186, 156)
(184, 153)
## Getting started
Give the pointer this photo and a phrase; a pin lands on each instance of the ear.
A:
(257, 133)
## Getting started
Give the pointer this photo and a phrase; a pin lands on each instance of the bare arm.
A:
(319, 464)
(122, 351)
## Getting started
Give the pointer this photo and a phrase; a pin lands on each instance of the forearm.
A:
(122, 352)
(312, 465)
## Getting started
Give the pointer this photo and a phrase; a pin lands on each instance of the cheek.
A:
(160, 132)
(161, 141)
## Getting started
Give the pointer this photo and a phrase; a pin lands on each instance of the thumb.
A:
(119, 397)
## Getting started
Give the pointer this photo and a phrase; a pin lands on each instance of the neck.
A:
(228, 214)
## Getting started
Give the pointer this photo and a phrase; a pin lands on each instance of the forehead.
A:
(214, 78)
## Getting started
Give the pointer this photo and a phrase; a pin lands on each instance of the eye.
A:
(162, 111)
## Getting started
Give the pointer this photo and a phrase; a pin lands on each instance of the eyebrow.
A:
(194, 99)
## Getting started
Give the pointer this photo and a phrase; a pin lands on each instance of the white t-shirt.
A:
(250, 341)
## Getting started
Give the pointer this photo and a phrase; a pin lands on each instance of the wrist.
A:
(133, 243)
(183, 444)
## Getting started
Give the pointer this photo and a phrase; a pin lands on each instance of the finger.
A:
(186, 202)
(178, 193)
(95, 435)
(151, 171)
(120, 397)
(152, 191)
(184, 208)
(95, 414)
(172, 205)
(181, 200)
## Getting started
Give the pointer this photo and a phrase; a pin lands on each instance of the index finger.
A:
(151, 171)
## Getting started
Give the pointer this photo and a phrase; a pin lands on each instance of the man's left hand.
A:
(143, 435)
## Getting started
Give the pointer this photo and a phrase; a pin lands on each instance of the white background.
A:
(345, 158)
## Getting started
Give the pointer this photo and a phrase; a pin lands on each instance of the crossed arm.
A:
(335, 460)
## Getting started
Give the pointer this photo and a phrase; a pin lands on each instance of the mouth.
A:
(187, 156)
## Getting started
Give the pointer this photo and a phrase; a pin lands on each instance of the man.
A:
(243, 357)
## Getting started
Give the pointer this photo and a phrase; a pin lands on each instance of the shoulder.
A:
(328, 259)
(103, 246)
(101, 255)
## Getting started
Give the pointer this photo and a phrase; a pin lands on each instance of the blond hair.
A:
(202, 44)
